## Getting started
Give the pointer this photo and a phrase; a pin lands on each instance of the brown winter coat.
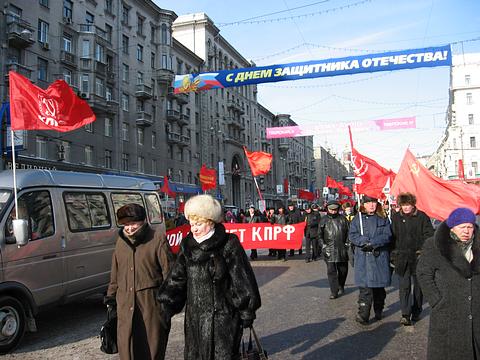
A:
(137, 272)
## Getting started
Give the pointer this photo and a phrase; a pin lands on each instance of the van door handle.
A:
(49, 256)
(63, 243)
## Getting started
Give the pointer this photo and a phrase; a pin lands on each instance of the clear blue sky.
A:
(339, 28)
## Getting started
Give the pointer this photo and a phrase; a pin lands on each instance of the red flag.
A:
(57, 108)
(208, 178)
(435, 196)
(344, 190)
(306, 195)
(259, 161)
(285, 186)
(461, 171)
(166, 188)
(330, 183)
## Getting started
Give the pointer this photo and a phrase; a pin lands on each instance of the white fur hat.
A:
(204, 206)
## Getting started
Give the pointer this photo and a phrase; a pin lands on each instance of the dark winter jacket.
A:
(409, 234)
(215, 282)
(137, 273)
(451, 285)
(311, 228)
(280, 219)
(295, 216)
(252, 219)
(333, 237)
(371, 267)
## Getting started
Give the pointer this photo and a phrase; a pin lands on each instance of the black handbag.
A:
(253, 351)
(108, 332)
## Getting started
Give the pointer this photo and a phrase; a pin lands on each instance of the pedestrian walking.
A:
(140, 262)
(312, 219)
(410, 228)
(270, 219)
(213, 279)
(281, 219)
(448, 271)
(372, 272)
(333, 237)
(251, 218)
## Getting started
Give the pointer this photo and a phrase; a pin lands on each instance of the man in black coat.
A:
(312, 218)
(333, 236)
(410, 228)
(294, 216)
(252, 217)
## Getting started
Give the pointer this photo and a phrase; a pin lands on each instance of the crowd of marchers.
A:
(211, 277)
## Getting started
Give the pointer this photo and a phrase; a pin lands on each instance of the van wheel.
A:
(12, 323)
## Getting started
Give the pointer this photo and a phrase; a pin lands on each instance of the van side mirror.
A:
(20, 231)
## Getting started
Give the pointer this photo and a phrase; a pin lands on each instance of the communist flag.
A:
(435, 196)
(259, 161)
(330, 183)
(344, 190)
(370, 177)
(166, 188)
(306, 195)
(57, 108)
(208, 178)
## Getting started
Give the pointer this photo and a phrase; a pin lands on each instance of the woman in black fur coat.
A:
(213, 279)
(448, 271)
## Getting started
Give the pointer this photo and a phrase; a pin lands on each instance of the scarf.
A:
(465, 246)
(204, 237)
(137, 236)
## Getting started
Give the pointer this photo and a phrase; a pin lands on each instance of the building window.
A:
(42, 31)
(99, 87)
(89, 18)
(125, 102)
(108, 32)
(141, 164)
(67, 76)
(467, 79)
(41, 147)
(108, 127)
(152, 60)
(43, 3)
(140, 78)
(140, 21)
(470, 119)
(125, 72)
(84, 85)
(154, 139)
(42, 69)
(125, 162)
(125, 131)
(164, 34)
(89, 155)
(125, 44)
(469, 99)
(140, 53)
(100, 53)
(153, 35)
(125, 13)
(140, 136)
(154, 167)
(108, 159)
(473, 142)
(67, 43)
(109, 93)
(140, 105)
(474, 168)
(64, 151)
(109, 6)
(89, 127)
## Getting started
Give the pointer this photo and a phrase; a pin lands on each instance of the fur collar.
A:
(452, 252)
(203, 251)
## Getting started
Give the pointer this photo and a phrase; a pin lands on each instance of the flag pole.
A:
(14, 166)
(357, 194)
(258, 189)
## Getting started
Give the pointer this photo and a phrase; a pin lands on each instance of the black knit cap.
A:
(131, 212)
(366, 199)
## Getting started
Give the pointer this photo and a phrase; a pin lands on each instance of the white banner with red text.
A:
(252, 236)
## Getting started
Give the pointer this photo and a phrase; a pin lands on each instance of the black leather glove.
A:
(367, 247)
(110, 301)
(247, 323)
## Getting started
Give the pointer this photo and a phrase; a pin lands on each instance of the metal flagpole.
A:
(258, 189)
(14, 166)
(355, 187)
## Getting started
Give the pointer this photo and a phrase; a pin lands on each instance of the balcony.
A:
(235, 106)
(234, 141)
(184, 140)
(110, 75)
(19, 32)
(184, 119)
(174, 138)
(173, 115)
(112, 106)
(181, 98)
(67, 58)
(234, 122)
(283, 145)
(98, 103)
(93, 29)
(143, 91)
(100, 67)
(165, 76)
(144, 119)
(20, 69)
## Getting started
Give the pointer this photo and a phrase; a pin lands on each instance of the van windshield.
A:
(4, 196)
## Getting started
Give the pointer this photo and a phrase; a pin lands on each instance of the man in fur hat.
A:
(140, 262)
(410, 228)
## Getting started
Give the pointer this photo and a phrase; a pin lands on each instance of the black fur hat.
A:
(406, 199)
(131, 212)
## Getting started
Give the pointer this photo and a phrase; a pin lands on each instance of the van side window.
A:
(154, 210)
(36, 207)
(120, 199)
(86, 211)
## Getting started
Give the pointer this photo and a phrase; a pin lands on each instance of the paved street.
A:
(296, 321)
